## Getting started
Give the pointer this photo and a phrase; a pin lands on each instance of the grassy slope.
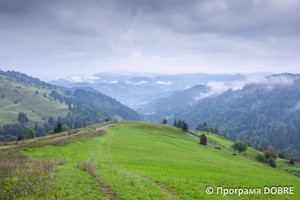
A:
(36, 106)
(140, 160)
(250, 152)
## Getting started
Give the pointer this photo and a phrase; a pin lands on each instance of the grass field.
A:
(137, 160)
(250, 152)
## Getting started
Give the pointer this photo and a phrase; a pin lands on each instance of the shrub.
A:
(271, 153)
(272, 162)
(239, 146)
(30, 133)
(283, 154)
(261, 158)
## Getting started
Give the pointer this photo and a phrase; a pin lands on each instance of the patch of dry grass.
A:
(21, 176)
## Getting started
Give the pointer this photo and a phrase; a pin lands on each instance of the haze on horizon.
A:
(49, 39)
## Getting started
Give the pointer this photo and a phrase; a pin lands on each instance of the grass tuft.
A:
(21, 176)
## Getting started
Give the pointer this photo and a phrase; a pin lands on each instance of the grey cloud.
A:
(225, 31)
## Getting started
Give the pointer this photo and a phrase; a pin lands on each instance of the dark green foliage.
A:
(30, 133)
(239, 146)
(291, 161)
(22, 117)
(185, 127)
(55, 95)
(261, 158)
(51, 121)
(39, 131)
(271, 153)
(204, 127)
(12, 130)
(272, 162)
(35, 127)
(20, 137)
(83, 115)
(175, 123)
(164, 121)
(283, 154)
(179, 123)
(12, 139)
(58, 128)
(106, 104)
(203, 139)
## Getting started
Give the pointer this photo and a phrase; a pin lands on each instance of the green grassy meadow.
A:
(137, 160)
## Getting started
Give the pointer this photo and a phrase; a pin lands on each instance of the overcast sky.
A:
(58, 38)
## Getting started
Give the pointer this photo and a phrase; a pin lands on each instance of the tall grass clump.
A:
(22, 177)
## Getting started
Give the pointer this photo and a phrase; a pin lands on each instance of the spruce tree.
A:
(175, 123)
(185, 127)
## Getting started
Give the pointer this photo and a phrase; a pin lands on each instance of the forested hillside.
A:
(27, 102)
(158, 109)
(107, 104)
(267, 115)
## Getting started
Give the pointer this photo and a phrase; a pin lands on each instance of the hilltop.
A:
(136, 160)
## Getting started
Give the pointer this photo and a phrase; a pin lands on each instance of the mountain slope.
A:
(140, 160)
(136, 90)
(162, 107)
(267, 115)
(263, 111)
(18, 95)
(42, 105)
(107, 104)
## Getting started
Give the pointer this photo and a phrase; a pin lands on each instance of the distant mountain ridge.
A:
(136, 90)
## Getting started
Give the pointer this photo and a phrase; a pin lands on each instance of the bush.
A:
(271, 153)
(261, 158)
(30, 133)
(283, 154)
(240, 146)
(272, 162)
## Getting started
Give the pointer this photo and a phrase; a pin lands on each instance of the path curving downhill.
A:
(65, 136)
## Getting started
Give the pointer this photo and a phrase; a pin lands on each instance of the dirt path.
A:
(196, 137)
(66, 136)
(7, 147)
(63, 137)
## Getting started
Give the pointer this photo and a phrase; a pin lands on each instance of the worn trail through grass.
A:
(141, 160)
